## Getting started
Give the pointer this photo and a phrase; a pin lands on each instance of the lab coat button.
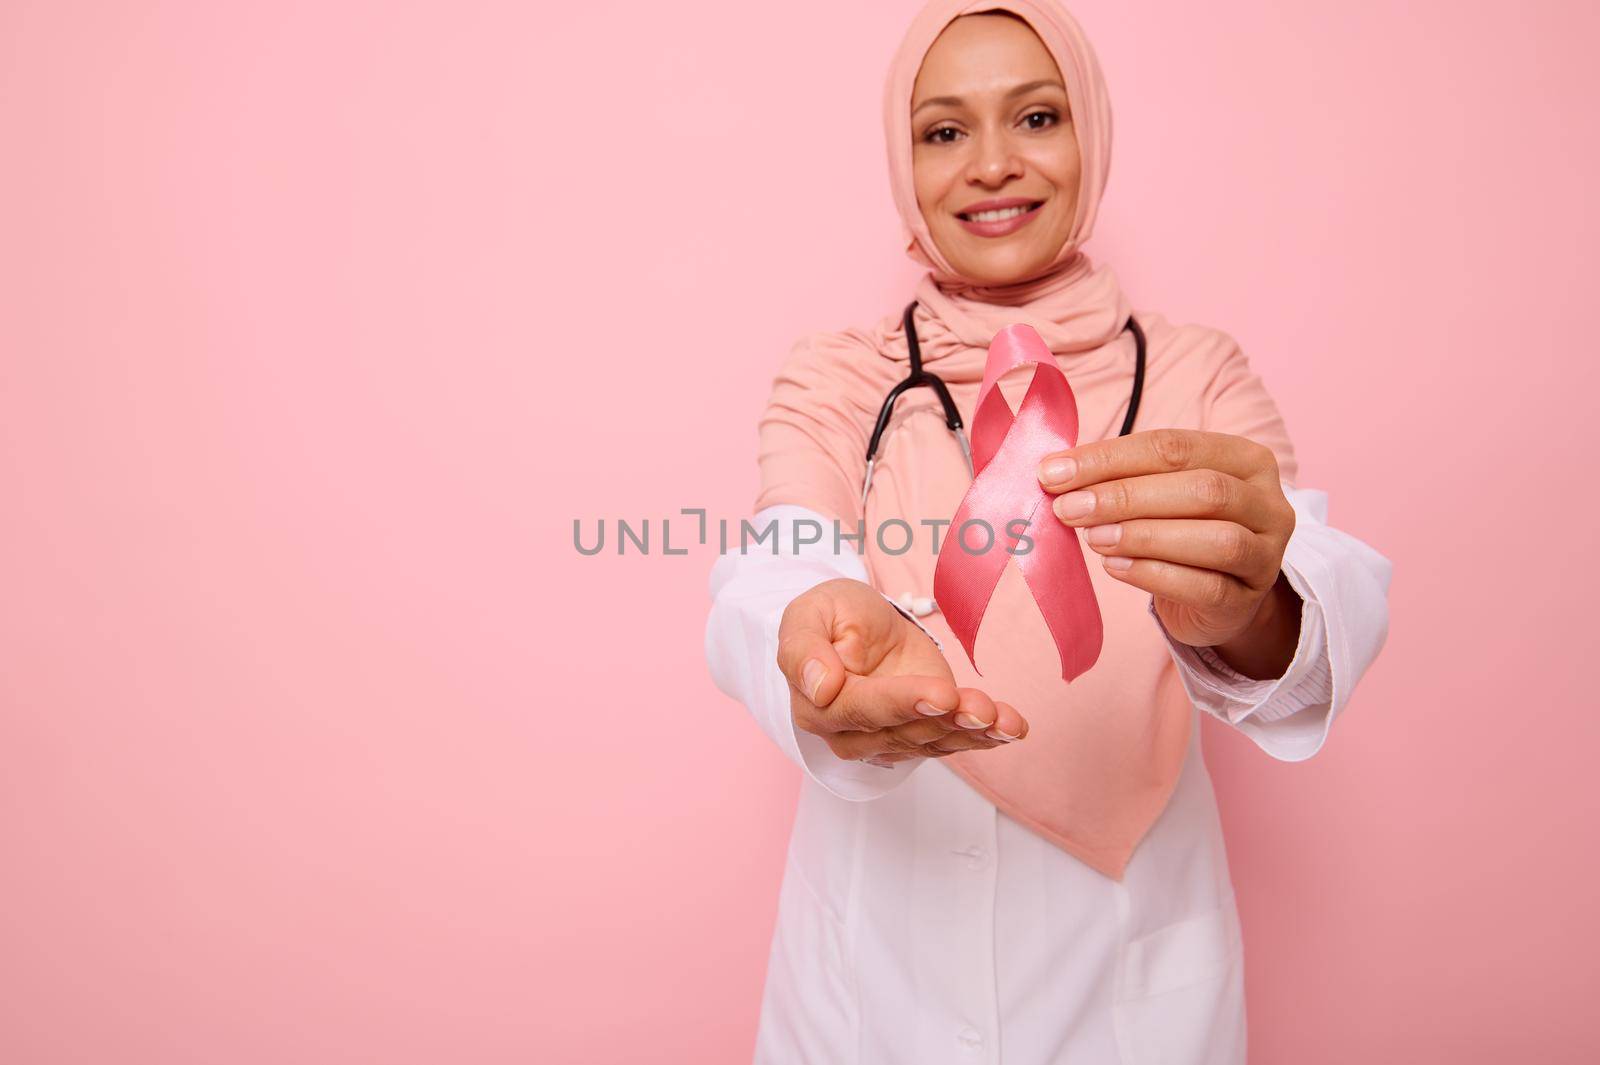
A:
(970, 1038)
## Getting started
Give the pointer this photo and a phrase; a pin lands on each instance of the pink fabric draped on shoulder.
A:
(1104, 752)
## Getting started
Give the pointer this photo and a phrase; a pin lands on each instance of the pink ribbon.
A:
(1006, 451)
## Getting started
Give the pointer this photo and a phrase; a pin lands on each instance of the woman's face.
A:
(994, 156)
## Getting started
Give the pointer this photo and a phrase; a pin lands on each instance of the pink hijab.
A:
(1104, 753)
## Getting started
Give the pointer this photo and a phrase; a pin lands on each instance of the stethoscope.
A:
(952, 418)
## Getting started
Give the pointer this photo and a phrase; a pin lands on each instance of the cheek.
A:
(932, 181)
(1072, 178)
(1062, 166)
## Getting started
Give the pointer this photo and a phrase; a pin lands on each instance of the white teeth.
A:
(998, 216)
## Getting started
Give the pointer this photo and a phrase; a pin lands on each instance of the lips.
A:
(1005, 207)
(998, 218)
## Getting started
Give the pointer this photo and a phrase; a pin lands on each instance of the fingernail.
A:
(1058, 471)
(812, 676)
(1074, 504)
(1118, 563)
(1103, 535)
(880, 763)
(927, 709)
(996, 734)
(968, 721)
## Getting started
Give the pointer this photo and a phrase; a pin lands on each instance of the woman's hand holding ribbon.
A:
(874, 686)
(1199, 520)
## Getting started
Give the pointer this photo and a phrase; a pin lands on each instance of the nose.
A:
(994, 160)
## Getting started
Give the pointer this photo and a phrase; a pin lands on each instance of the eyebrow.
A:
(956, 101)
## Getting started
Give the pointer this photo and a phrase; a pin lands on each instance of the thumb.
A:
(806, 655)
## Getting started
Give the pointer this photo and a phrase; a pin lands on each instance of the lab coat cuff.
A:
(1229, 695)
(750, 593)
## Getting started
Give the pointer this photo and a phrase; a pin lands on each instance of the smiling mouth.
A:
(1001, 215)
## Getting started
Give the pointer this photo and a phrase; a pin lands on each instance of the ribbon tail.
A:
(963, 583)
(1058, 577)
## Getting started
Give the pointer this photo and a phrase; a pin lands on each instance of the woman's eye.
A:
(937, 135)
(1048, 119)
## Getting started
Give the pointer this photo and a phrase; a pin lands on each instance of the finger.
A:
(909, 738)
(976, 712)
(957, 742)
(952, 743)
(867, 704)
(936, 737)
(891, 760)
(1190, 494)
(1224, 546)
(1157, 451)
(1009, 725)
(1201, 589)
(806, 655)
(966, 729)
(916, 734)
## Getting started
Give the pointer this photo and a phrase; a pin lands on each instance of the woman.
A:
(1011, 868)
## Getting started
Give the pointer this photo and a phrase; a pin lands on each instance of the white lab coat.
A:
(918, 924)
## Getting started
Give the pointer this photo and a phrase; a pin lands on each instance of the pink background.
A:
(320, 323)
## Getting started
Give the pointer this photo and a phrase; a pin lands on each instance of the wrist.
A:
(1266, 647)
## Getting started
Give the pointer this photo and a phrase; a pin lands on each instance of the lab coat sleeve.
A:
(750, 590)
(1344, 619)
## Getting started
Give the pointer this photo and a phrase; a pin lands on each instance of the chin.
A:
(1003, 267)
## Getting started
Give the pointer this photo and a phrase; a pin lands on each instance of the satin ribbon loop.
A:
(1006, 496)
